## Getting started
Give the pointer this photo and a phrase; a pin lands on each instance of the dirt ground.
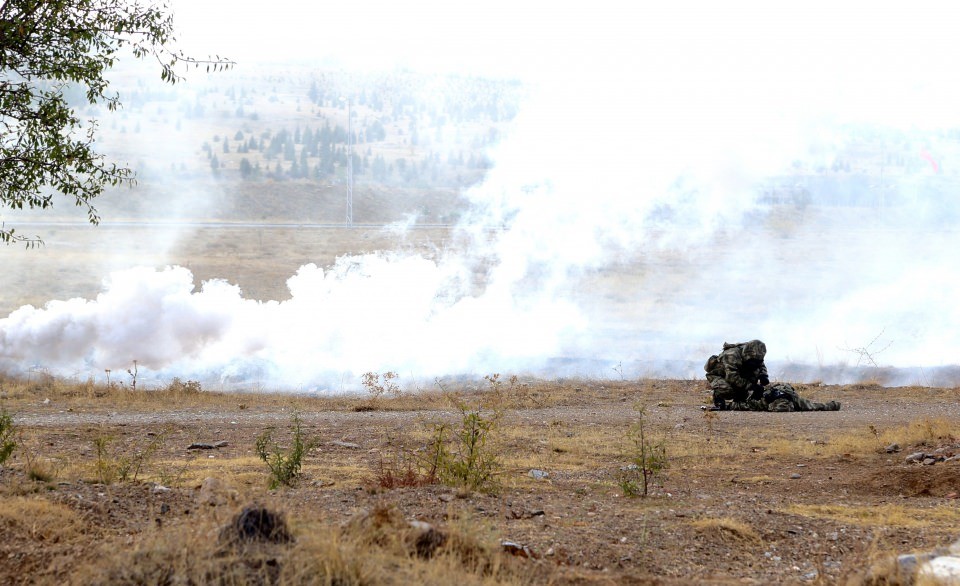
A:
(748, 498)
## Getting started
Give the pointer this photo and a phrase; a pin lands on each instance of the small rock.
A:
(629, 467)
(420, 525)
(343, 444)
(221, 444)
(538, 474)
(907, 563)
(164, 509)
(158, 488)
(446, 498)
(215, 492)
(794, 476)
(929, 461)
(951, 495)
(256, 523)
(892, 448)
(942, 570)
(518, 550)
(809, 576)
(915, 457)
(201, 446)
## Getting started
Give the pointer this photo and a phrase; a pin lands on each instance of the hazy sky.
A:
(852, 59)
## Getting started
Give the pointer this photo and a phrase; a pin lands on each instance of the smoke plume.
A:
(675, 179)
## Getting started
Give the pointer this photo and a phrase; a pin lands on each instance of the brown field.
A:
(102, 487)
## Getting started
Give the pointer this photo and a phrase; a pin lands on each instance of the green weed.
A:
(285, 466)
(647, 459)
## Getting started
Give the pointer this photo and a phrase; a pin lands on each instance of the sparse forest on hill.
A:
(283, 133)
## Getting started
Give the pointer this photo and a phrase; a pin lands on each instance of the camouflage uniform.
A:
(736, 371)
(783, 397)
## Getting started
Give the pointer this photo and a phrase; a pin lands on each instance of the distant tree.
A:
(378, 169)
(238, 135)
(44, 47)
(246, 169)
(376, 132)
(226, 145)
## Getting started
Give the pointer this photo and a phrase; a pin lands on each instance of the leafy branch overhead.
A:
(46, 47)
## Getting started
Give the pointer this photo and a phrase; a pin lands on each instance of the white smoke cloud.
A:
(620, 222)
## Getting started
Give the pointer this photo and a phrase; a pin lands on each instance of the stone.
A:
(892, 448)
(915, 457)
(929, 461)
(426, 539)
(518, 550)
(214, 492)
(795, 476)
(258, 524)
(941, 570)
(344, 444)
(538, 474)
(201, 446)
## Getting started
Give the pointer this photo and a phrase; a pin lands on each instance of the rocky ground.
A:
(754, 498)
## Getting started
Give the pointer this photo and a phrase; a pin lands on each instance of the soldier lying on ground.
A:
(782, 397)
(737, 373)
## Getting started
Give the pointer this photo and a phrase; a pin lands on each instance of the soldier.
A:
(737, 373)
(783, 397)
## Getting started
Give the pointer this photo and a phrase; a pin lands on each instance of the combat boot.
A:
(833, 405)
(719, 405)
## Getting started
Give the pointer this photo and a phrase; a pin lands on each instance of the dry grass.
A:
(883, 515)
(869, 439)
(375, 547)
(39, 520)
(714, 461)
(727, 529)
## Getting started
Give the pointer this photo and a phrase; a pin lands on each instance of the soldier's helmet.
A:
(754, 350)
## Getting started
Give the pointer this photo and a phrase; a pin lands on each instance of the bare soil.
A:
(748, 498)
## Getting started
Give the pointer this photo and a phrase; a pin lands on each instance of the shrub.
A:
(466, 457)
(377, 387)
(7, 442)
(284, 467)
(647, 459)
(123, 464)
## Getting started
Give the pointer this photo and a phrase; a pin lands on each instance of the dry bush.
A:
(728, 530)
(38, 520)
(401, 467)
